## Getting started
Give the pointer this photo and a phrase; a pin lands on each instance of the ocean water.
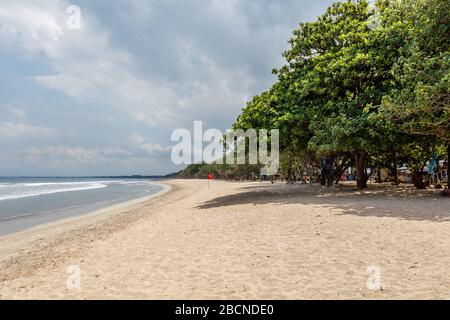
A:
(27, 202)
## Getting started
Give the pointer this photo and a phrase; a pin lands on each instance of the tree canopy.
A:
(361, 86)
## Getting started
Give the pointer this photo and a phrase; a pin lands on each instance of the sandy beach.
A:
(234, 240)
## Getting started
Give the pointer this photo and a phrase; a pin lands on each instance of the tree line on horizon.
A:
(364, 86)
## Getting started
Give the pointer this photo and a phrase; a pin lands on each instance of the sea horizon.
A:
(137, 176)
(29, 201)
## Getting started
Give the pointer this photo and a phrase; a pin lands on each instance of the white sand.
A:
(240, 240)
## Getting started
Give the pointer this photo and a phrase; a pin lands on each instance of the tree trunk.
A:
(340, 173)
(322, 179)
(360, 160)
(330, 178)
(421, 183)
(418, 179)
(448, 165)
(395, 169)
(379, 174)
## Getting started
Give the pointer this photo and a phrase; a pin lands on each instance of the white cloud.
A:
(37, 27)
(154, 148)
(68, 155)
(136, 139)
(88, 68)
(142, 143)
(14, 111)
(157, 118)
(13, 123)
(22, 130)
(131, 68)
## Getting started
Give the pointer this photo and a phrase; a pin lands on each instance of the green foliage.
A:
(350, 89)
(421, 104)
(220, 171)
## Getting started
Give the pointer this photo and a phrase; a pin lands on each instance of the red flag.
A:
(210, 176)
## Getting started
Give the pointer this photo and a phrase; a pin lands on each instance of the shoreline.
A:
(78, 213)
(239, 240)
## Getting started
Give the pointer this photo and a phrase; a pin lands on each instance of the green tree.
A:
(342, 68)
(358, 93)
(420, 105)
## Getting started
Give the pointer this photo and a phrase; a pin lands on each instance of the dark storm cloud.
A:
(116, 89)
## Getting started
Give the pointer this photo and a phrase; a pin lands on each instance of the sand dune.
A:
(244, 241)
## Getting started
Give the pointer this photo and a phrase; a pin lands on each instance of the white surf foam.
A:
(25, 190)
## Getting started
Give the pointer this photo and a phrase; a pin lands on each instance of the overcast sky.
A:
(104, 99)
